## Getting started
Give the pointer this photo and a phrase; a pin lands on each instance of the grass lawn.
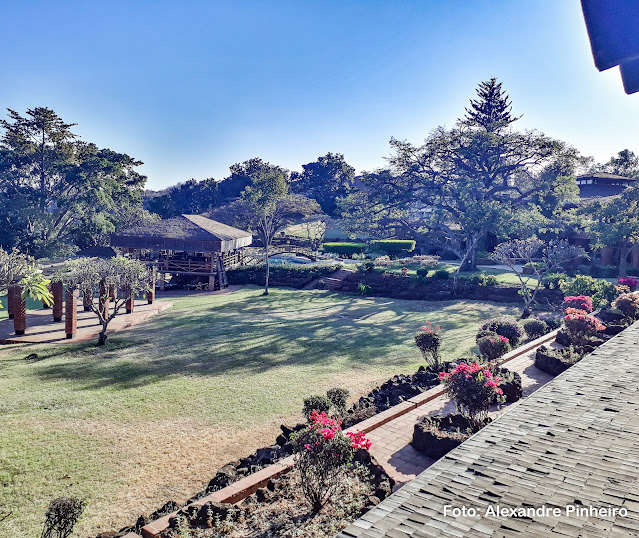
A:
(152, 416)
(31, 305)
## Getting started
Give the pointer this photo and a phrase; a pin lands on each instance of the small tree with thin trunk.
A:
(94, 277)
(522, 252)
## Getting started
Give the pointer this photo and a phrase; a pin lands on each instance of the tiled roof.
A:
(574, 442)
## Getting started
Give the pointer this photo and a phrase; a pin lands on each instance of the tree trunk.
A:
(102, 338)
(470, 262)
(268, 270)
(623, 260)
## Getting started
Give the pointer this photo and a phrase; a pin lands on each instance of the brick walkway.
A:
(391, 442)
(42, 330)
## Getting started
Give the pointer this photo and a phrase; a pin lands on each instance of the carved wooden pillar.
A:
(57, 288)
(19, 311)
(71, 313)
(11, 305)
(104, 300)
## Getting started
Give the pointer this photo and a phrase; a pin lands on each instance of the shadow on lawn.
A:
(249, 334)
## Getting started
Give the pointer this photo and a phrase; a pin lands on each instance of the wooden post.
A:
(150, 295)
(130, 302)
(71, 313)
(11, 306)
(19, 312)
(104, 300)
(57, 288)
(87, 299)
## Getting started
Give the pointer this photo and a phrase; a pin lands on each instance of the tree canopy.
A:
(52, 185)
(478, 176)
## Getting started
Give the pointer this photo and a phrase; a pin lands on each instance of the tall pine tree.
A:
(492, 110)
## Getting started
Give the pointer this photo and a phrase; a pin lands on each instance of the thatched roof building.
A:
(187, 233)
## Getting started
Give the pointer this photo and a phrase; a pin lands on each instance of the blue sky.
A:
(191, 87)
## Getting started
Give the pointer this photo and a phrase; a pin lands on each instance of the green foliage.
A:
(535, 328)
(481, 279)
(392, 247)
(315, 403)
(363, 289)
(344, 248)
(553, 280)
(441, 274)
(505, 326)
(366, 267)
(601, 292)
(338, 397)
(628, 305)
(493, 347)
(325, 180)
(429, 340)
(423, 272)
(293, 275)
(54, 187)
(190, 197)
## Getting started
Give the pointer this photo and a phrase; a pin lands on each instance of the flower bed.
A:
(437, 435)
(555, 361)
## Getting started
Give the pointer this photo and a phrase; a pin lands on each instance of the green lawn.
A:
(151, 416)
(31, 305)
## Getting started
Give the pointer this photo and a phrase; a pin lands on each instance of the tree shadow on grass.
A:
(249, 335)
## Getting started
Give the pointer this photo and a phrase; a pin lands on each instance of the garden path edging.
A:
(237, 491)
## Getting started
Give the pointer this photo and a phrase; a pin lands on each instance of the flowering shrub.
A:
(404, 271)
(322, 453)
(580, 302)
(628, 305)
(507, 327)
(553, 321)
(312, 403)
(493, 347)
(581, 326)
(631, 281)
(536, 328)
(473, 387)
(428, 340)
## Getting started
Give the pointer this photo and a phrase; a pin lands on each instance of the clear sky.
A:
(191, 87)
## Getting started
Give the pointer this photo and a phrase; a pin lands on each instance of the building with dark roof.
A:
(602, 184)
(190, 245)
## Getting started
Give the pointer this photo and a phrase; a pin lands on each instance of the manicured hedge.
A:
(392, 246)
(290, 275)
(344, 248)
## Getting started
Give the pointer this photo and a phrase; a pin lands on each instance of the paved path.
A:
(42, 330)
(391, 442)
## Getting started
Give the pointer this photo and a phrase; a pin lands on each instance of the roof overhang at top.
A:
(614, 37)
(189, 233)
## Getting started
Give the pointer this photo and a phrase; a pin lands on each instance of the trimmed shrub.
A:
(580, 302)
(505, 326)
(474, 388)
(366, 267)
(630, 281)
(441, 274)
(481, 279)
(628, 305)
(423, 272)
(428, 340)
(553, 321)
(315, 403)
(393, 247)
(322, 454)
(493, 347)
(338, 398)
(535, 328)
(482, 333)
(344, 248)
(552, 280)
(291, 274)
(602, 292)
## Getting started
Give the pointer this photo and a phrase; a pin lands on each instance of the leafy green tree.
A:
(266, 206)
(190, 197)
(242, 175)
(626, 164)
(614, 222)
(50, 181)
(325, 180)
(464, 182)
